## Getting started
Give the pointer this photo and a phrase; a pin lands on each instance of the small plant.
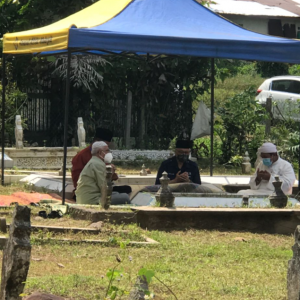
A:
(15, 170)
(236, 160)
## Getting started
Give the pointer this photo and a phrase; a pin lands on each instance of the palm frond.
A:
(82, 72)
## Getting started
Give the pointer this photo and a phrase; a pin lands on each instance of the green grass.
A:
(194, 264)
(233, 85)
(13, 188)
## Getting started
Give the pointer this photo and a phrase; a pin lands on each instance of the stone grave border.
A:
(62, 229)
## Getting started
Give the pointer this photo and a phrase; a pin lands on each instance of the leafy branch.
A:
(82, 70)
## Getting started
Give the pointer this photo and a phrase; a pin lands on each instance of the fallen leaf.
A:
(36, 259)
(60, 265)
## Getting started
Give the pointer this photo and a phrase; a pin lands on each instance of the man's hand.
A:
(184, 177)
(262, 175)
(114, 174)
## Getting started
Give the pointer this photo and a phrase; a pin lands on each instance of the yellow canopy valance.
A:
(55, 36)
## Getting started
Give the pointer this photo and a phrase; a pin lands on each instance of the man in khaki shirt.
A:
(92, 179)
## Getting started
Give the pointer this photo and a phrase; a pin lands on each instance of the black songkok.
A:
(184, 144)
(103, 134)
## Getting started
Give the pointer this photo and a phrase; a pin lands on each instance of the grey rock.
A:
(96, 225)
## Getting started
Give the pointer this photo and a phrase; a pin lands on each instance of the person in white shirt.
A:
(270, 166)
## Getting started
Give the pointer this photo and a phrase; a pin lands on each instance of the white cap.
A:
(268, 148)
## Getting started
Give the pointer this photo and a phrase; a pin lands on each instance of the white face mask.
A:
(108, 158)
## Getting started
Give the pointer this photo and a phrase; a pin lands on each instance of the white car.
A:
(285, 93)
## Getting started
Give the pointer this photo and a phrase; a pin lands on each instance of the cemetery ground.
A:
(194, 264)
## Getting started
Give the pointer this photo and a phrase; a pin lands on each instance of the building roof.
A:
(272, 8)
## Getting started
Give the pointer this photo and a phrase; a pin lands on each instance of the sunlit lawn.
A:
(195, 264)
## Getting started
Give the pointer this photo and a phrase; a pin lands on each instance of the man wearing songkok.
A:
(270, 166)
(179, 168)
(92, 179)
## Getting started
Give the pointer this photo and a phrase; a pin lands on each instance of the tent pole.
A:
(212, 96)
(3, 117)
(66, 127)
(299, 162)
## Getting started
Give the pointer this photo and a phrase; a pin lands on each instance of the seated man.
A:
(82, 158)
(179, 167)
(92, 179)
(270, 166)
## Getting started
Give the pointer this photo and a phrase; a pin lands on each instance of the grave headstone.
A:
(143, 171)
(246, 165)
(19, 132)
(16, 255)
(164, 196)
(139, 290)
(293, 275)
(3, 227)
(278, 197)
(81, 133)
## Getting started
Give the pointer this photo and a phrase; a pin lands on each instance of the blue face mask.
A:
(267, 162)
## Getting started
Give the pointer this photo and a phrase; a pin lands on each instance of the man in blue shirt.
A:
(179, 168)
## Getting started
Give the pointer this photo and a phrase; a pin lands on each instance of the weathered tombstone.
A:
(16, 255)
(278, 198)
(246, 165)
(107, 190)
(19, 133)
(143, 171)
(139, 290)
(81, 133)
(3, 227)
(164, 196)
(293, 275)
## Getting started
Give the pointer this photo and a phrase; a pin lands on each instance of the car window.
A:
(280, 85)
(288, 86)
(294, 87)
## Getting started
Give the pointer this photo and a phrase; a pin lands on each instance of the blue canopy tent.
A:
(181, 27)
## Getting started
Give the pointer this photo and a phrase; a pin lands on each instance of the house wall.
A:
(259, 24)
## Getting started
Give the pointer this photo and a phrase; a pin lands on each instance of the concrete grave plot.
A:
(202, 211)
(8, 162)
(60, 231)
(209, 200)
(49, 183)
(217, 212)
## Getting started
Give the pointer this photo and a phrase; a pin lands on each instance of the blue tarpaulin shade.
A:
(173, 27)
(182, 27)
